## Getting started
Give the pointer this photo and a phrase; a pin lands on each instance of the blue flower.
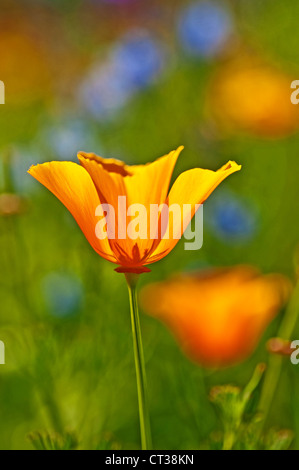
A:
(22, 159)
(67, 139)
(104, 92)
(132, 65)
(63, 294)
(231, 218)
(139, 58)
(119, 2)
(203, 28)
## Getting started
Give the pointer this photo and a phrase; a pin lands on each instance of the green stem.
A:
(145, 431)
(275, 362)
(53, 412)
(229, 440)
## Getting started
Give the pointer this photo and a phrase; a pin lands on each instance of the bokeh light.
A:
(232, 219)
(254, 98)
(204, 28)
(63, 294)
(133, 64)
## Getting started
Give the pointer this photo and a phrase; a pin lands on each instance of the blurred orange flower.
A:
(24, 68)
(218, 316)
(97, 181)
(255, 98)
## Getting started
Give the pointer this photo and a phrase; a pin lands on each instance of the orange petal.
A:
(141, 184)
(72, 185)
(191, 187)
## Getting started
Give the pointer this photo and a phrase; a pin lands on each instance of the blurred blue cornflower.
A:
(65, 140)
(133, 64)
(119, 2)
(63, 294)
(60, 141)
(203, 28)
(231, 218)
(103, 91)
(21, 160)
(139, 58)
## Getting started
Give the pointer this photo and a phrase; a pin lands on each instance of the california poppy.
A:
(88, 189)
(218, 316)
(82, 188)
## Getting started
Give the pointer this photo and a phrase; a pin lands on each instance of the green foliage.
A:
(45, 441)
(243, 430)
(77, 371)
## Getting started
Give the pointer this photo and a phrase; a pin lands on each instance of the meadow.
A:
(133, 80)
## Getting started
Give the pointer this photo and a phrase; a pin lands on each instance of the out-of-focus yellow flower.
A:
(254, 98)
(23, 66)
(100, 181)
(218, 316)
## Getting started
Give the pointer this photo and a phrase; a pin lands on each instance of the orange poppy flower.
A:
(82, 188)
(261, 97)
(217, 316)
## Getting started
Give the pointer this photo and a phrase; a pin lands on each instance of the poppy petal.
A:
(72, 185)
(141, 184)
(191, 187)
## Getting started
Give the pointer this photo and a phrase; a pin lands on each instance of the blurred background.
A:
(134, 79)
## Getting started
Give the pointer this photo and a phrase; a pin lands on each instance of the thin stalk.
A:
(275, 362)
(53, 412)
(228, 440)
(145, 431)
